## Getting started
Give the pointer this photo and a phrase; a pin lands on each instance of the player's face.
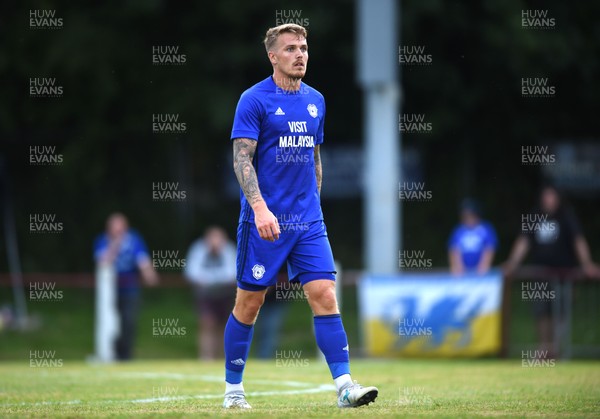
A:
(216, 240)
(290, 56)
(117, 227)
(469, 218)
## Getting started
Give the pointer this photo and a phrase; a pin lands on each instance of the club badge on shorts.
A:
(258, 271)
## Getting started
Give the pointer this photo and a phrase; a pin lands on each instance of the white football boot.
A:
(354, 395)
(236, 400)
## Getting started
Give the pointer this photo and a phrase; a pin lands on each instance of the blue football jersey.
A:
(473, 241)
(286, 126)
(133, 250)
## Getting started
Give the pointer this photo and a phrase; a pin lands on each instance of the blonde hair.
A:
(273, 33)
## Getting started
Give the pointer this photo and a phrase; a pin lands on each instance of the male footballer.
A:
(277, 132)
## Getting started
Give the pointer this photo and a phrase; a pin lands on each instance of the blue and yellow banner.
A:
(431, 314)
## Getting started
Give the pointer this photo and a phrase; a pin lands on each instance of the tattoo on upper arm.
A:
(243, 153)
(318, 167)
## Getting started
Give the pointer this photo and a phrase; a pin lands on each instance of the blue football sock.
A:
(237, 339)
(333, 342)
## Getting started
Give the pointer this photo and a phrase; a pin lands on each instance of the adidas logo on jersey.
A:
(279, 111)
(238, 361)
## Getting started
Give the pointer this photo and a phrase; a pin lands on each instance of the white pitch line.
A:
(319, 389)
(211, 378)
(322, 388)
(172, 376)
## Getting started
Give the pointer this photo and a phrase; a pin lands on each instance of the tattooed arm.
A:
(266, 222)
(318, 167)
(243, 153)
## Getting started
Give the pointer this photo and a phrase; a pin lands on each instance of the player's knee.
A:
(323, 300)
(247, 307)
(329, 301)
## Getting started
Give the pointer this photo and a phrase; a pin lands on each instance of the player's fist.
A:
(266, 223)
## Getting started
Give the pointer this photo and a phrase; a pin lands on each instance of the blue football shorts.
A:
(304, 246)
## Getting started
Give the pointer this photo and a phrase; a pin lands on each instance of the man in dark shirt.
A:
(552, 236)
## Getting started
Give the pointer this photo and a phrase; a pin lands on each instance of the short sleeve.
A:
(246, 122)
(140, 250)
(99, 247)
(491, 240)
(454, 238)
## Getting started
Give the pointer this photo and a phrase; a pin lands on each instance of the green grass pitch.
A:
(407, 388)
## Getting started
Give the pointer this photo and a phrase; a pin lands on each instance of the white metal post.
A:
(107, 324)
(378, 74)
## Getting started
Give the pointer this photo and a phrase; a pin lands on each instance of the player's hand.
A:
(266, 223)
(149, 275)
(151, 280)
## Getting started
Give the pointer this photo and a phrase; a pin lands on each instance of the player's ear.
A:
(272, 58)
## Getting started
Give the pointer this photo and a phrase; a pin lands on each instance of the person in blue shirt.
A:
(125, 250)
(473, 243)
(277, 133)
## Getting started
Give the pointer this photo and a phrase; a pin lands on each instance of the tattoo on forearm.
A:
(318, 167)
(243, 153)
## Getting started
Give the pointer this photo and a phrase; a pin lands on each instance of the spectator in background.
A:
(211, 268)
(473, 243)
(125, 250)
(557, 243)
